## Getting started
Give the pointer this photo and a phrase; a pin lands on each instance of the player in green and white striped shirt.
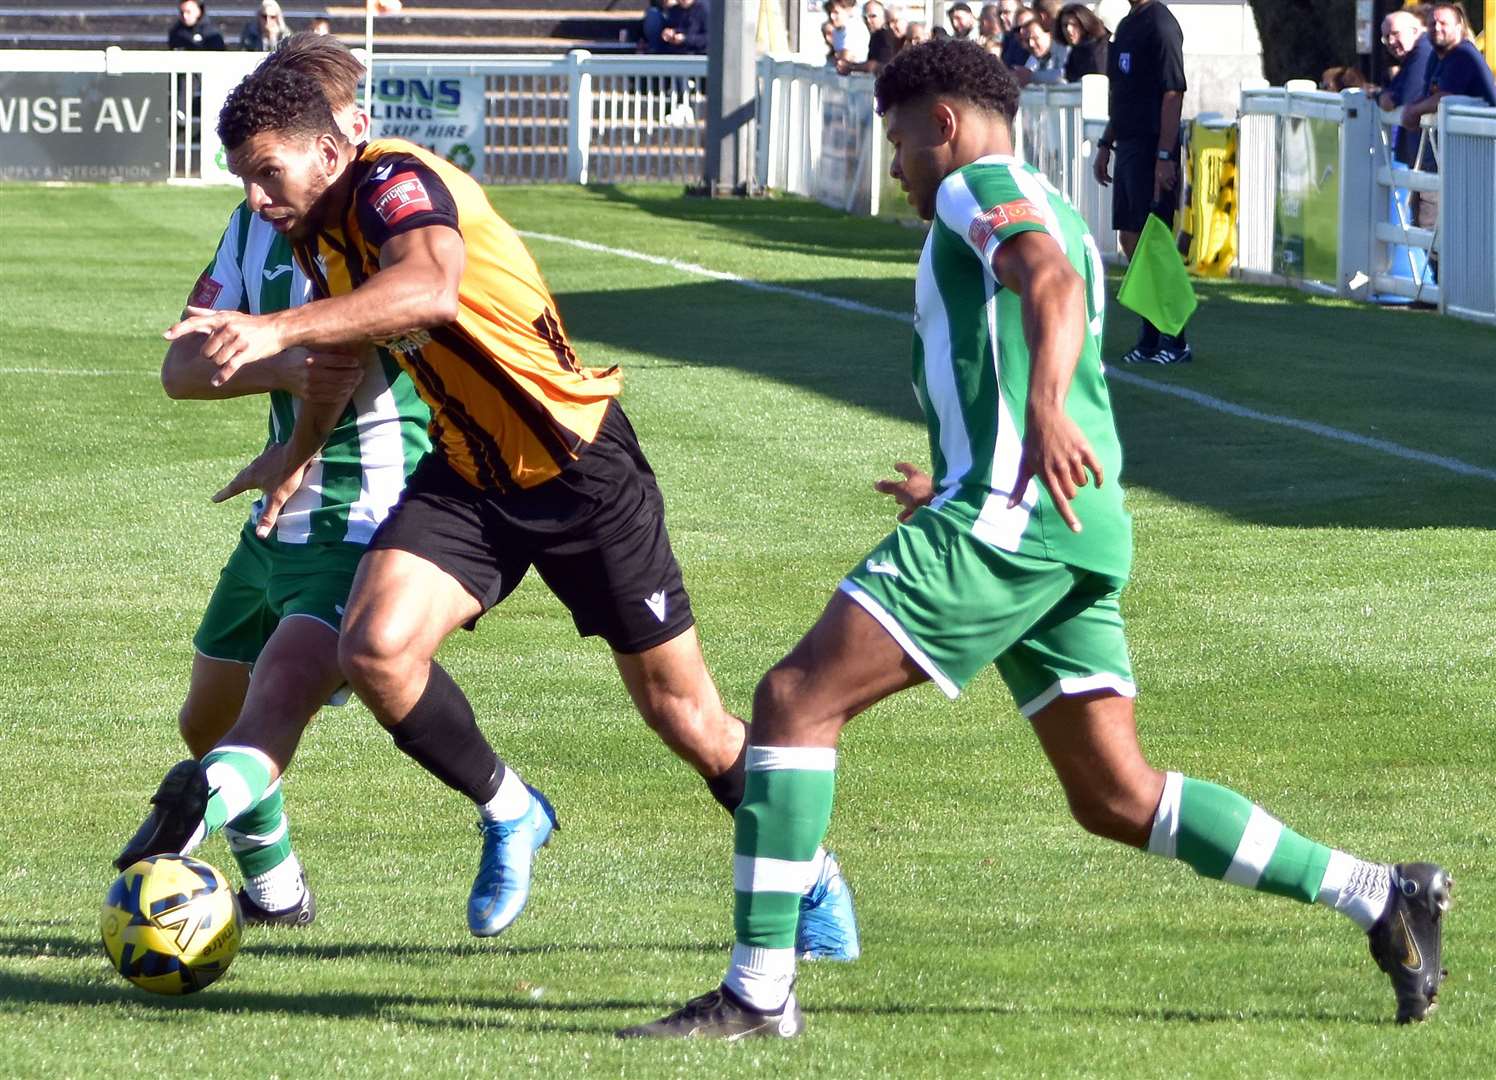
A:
(1014, 552)
(267, 649)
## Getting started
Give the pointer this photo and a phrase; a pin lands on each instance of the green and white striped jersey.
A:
(971, 370)
(358, 476)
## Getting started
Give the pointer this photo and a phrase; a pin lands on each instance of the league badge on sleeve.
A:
(1124, 63)
(204, 292)
(990, 223)
(400, 197)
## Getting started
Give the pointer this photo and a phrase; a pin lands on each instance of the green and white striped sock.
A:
(260, 840)
(1224, 836)
(238, 778)
(784, 815)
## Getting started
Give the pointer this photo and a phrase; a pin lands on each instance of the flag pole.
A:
(369, 54)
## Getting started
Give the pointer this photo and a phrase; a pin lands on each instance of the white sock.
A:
(1356, 888)
(763, 978)
(817, 866)
(279, 887)
(509, 802)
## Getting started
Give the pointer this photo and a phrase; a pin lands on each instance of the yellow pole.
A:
(1488, 30)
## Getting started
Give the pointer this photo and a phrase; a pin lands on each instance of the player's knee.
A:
(199, 731)
(374, 652)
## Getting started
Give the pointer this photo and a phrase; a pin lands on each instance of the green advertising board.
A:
(1305, 240)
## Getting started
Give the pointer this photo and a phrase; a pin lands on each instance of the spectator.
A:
(857, 37)
(194, 31)
(882, 44)
(963, 25)
(834, 30)
(656, 17)
(1048, 12)
(1145, 69)
(321, 25)
(1046, 59)
(916, 33)
(1458, 68)
(989, 29)
(686, 27)
(895, 21)
(267, 30)
(1338, 78)
(1088, 38)
(1010, 17)
(1408, 43)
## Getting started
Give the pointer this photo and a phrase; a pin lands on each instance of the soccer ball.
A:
(171, 924)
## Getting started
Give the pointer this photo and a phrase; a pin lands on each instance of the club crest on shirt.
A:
(1124, 63)
(984, 226)
(204, 292)
(399, 198)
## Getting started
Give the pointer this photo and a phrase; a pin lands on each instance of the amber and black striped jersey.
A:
(511, 405)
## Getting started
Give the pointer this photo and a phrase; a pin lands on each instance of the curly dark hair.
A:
(949, 67)
(275, 98)
(327, 60)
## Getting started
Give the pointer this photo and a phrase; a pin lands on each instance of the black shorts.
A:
(1133, 167)
(595, 534)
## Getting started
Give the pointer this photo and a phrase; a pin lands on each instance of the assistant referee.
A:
(1145, 68)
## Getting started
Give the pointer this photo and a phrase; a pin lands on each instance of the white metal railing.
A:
(1381, 252)
(1401, 248)
(573, 118)
(1057, 129)
(1467, 210)
(818, 136)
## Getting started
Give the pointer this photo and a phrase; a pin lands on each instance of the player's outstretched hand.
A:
(271, 473)
(912, 492)
(1058, 455)
(233, 338)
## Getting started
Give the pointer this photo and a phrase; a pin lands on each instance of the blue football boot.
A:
(828, 924)
(503, 882)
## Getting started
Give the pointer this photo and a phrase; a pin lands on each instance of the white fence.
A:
(576, 118)
(818, 136)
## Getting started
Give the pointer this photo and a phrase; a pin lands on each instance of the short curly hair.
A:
(275, 98)
(949, 67)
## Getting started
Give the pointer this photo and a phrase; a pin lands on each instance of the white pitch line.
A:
(1309, 427)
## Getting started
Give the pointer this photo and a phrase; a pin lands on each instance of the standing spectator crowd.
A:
(1047, 41)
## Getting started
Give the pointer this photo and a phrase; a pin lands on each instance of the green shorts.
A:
(955, 604)
(264, 582)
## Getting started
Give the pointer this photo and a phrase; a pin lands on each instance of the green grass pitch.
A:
(1312, 623)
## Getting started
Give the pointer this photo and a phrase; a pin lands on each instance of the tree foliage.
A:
(1301, 38)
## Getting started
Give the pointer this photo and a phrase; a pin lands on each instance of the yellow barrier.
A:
(1211, 215)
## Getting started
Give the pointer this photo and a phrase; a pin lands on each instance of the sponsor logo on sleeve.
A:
(986, 225)
(400, 197)
(204, 292)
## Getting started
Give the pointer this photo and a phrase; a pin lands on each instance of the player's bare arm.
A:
(1053, 300)
(416, 288)
(187, 375)
(279, 468)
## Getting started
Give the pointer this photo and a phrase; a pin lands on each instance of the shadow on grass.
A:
(540, 1015)
(786, 226)
(1342, 366)
(278, 942)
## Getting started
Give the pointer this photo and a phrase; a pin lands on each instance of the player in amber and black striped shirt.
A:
(534, 464)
